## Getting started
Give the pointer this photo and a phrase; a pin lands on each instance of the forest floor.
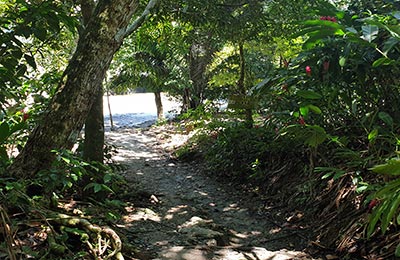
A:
(177, 211)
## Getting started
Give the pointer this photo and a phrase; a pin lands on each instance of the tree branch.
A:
(87, 7)
(140, 20)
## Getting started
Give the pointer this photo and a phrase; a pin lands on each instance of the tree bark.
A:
(242, 88)
(94, 126)
(66, 114)
(94, 131)
(200, 56)
(159, 105)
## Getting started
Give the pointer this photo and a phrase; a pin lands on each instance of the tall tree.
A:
(101, 38)
(93, 144)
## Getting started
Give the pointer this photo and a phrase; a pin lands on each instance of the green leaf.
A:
(97, 187)
(315, 109)
(342, 61)
(392, 167)
(315, 136)
(393, 205)
(107, 178)
(374, 218)
(373, 134)
(370, 32)
(67, 160)
(308, 94)
(304, 111)
(385, 117)
(4, 131)
(383, 62)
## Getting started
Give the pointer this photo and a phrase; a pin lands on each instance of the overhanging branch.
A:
(139, 21)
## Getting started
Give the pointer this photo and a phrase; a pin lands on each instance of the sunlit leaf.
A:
(373, 134)
(342, 61)
(370, 32)
(383, 62)
(304, 111)
(315, 109)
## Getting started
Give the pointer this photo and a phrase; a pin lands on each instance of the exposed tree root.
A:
(6, 232)
(106, 237)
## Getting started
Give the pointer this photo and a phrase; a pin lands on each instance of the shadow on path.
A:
(176, 212)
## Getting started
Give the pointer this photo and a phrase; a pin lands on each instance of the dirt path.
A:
(177, 212)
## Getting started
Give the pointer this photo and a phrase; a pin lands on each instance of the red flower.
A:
(328, 18)
(372, 204)
(308, 70)
(301, 121)
(25, 115)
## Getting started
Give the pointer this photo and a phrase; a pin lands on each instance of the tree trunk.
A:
(94, 126)
(199, 58)
(242, 88)
(83, 77)
(159, 105)
(94, 131)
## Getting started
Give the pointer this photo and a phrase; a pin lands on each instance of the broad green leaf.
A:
(107, 178)
(4, 131)
(308, 94)
(392, 167)
(316, 135)
(385, 117)
(370, 32)
(373, 134)
(97, 187)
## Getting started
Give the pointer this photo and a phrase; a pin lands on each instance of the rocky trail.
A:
(178, 212)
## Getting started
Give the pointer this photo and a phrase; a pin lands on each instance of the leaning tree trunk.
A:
(67, 111)
(159, 105)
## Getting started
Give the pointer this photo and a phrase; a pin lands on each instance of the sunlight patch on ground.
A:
(141, 214)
